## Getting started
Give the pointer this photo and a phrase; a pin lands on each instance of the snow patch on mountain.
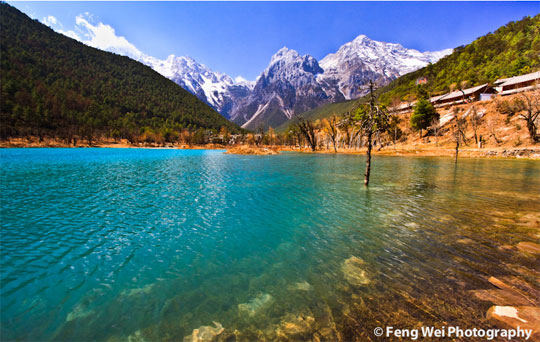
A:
(239, 80)
(217, 89)
(361, 59)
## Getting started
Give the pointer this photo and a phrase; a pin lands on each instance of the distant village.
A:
(502, 87)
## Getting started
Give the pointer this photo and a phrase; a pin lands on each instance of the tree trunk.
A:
(532, 131)
(457, 151)
(313, 144)
(368, 161)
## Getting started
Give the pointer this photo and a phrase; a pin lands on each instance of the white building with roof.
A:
(512, 85)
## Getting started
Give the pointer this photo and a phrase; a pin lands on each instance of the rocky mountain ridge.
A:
(291, 83)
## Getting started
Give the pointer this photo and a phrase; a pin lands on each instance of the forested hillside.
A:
(55, 86)
(511, 50)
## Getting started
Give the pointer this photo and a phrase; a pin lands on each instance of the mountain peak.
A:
(361, 38)
(284, 54)
(187, 60)
(289, 62)
(283, 50)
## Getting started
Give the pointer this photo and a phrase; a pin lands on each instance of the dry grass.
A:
(252, 150)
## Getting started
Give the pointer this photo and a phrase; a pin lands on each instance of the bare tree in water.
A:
(372, 119)
(307, 128)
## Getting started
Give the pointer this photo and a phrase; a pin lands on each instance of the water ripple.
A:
(115, 241)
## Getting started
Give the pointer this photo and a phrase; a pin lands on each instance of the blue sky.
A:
(238, 38)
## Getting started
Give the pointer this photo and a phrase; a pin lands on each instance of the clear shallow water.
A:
(117, 244)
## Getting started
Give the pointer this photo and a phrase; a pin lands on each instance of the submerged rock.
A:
(505, 248)
(413, 225)
(529, 247)
(301, 286)
(83, 308)
(205, 333)
(465, 241)
(354, 272)
(326, 335)
(525, 317)
(530, 220)
(137, 291)
(505, 294)
(295, 326)
(136, 337)
(79, 311)
(254, 305)
(327, 329)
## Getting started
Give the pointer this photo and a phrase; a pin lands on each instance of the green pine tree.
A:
(423, 115)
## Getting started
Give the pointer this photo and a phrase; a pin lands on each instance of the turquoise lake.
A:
(150, 244)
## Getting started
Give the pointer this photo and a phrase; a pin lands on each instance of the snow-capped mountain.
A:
(288, 86)
(219, 90)
(292, 84)
(362, 59)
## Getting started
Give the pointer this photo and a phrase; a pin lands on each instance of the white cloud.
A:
(49, 21)
(100, 36)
